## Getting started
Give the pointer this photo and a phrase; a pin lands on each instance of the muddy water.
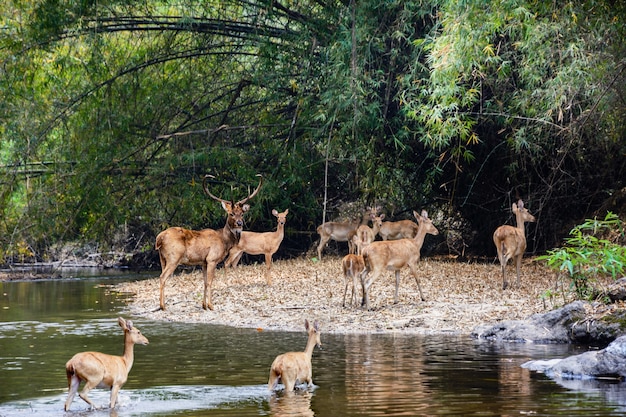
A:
(201, 370)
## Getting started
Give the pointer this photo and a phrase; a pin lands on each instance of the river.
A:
(207, 370)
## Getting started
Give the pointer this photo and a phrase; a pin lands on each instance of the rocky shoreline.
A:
(459, 296)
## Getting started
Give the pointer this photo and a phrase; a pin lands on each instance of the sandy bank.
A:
(458, 296)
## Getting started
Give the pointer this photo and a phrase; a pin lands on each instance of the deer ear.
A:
(286, 212)
(245, 207)
(122, 323)
(382, 216)
(424, 214)
(520, 204)
(306, 324)
(275, 213)
(514, 208)
(227, 206)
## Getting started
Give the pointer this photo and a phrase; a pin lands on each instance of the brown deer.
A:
(402, 229)
(259, 244)
(293, 367)
(353, 266)
(511, 241)
(366, 234)
(342, 232)
(102, 370)
(207, 247)
(395, 255)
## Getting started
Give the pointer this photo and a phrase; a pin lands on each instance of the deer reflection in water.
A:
(292, 403)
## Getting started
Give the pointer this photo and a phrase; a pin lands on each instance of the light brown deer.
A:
(511, 241)
(259, 244)
(342, 232)
(402, 229)
(293, 367)
(395, 255)
(353, 266)
(366, 234)
(207, 247)
(102, 370)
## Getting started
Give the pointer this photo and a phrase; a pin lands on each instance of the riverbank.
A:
(459, 296)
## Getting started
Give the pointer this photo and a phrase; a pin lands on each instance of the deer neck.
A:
(280, 230)
(229, 236)
(420, 236)
(129, 351)
(310, 345)
(519, 219)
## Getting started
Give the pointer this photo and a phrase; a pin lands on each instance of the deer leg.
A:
(366, 284)
(346, 282)
(114, 390)
(395, 295)
(268, 267)
(503, 262)
(72, 382)
(85, 391)
(354, 285)
(518, 264)
(320, 247)
(208, 270)
(417, 280)
(165, 274)
(273, 381)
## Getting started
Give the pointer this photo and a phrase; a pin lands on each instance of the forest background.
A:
(113, 111)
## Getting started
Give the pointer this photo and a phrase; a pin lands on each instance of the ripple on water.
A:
(158, 401)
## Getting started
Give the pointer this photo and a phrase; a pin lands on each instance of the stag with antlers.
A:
(207, 247)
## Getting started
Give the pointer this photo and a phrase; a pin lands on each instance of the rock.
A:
(606, 363)
(551, 327)
(617, 290)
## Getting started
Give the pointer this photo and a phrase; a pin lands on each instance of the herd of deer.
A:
(399, 248)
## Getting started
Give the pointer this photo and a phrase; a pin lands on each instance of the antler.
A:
(206, 190)
(245, 200)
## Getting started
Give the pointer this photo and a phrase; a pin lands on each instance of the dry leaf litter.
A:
(459, 296)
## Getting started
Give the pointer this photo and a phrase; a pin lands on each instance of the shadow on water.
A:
(207, 370)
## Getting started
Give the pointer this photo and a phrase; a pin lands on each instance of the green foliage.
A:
(113, 111)
(593, 250)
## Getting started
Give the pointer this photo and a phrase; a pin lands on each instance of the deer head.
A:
(235, 210)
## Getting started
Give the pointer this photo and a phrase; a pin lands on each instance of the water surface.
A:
(205, 370)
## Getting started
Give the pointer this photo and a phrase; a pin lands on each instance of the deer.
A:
(366, 234)
(208, 247)
(395, 255)
(511, 241)
(353, 266)
(342, 232)
(101, 370)
(293, 367)
(402, 229)
(259, 244)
